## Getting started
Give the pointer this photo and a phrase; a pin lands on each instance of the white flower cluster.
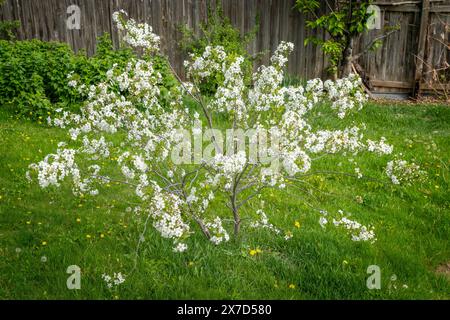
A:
(218, 233)
(229, 96)
(226, 167)
(380, 147)
(279, 58)
(166, 211)
(210, 62)
(113, 281)
(358, 231)
(345, 94)
(56, 167)
(138, 35)
(264, 223)
(401, 171)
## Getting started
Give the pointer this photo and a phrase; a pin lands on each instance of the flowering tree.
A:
(178, 164)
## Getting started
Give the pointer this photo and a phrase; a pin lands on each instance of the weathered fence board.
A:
(391, 68)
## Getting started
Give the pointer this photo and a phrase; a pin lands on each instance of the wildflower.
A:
(43, 259)
(253, 252)
(44, 243)
(359, 199)
(113, 281)
(288, 235)
(88, 236)
(297, 224)
(323, 221)
(292, 286)
(78, 220)
(180, 247)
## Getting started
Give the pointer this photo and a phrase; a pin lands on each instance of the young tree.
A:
(344, 23)
(123, 125)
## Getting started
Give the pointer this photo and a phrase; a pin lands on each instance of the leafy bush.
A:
(34, 74)
(218, 31)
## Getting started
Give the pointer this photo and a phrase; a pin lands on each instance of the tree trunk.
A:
(236, 216)
(346, 63)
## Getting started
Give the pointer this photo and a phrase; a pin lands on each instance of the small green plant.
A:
(344, 24)
(7, 27)
(219, 31)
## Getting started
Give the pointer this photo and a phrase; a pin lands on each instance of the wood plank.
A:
(392, 84)
(421, 46)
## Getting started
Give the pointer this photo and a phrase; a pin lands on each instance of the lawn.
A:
(42, 232)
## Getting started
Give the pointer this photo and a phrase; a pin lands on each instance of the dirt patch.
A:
(444, 269)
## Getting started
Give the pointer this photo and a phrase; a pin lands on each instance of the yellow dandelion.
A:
(292, 286)
(252, 252)
(191, 263)
(297, 224)
(102, 235)
(44, 243)
(78, 220)
(88, 236)
(258, 250)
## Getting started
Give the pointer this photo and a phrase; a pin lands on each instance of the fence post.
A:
(424, 17)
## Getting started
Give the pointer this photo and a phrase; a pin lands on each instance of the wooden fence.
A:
(405, 58)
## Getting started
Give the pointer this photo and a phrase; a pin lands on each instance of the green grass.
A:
(412, 225)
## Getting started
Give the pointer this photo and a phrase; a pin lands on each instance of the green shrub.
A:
(218, 31)
(33, 74)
